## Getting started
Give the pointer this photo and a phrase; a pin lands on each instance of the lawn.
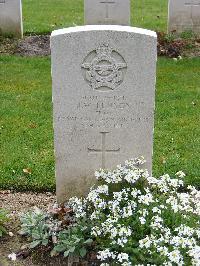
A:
(26, 128)
(46, 15)
(26, 148)
(26, 144)
(26, 124)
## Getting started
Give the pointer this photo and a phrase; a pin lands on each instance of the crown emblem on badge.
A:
(104, 68)
(104, 49)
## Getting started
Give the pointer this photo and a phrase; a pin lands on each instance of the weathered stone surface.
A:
(11, 17)
(184, 15)
(107, 12)
(103, 101)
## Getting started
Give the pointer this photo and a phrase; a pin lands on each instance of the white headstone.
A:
(103, 101)
(11, 17)
(107, 12)
(184, 15)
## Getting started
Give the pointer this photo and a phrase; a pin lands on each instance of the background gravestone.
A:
(184, 15)
(11, 17)
(103, 101)
(107, 12)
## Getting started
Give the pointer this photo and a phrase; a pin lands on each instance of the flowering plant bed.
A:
(128, 218)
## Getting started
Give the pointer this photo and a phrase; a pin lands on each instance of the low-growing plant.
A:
(170, 37)
(3, 219)
(73, 241)
(190, 45)
(132, 218)
(187, 35)
(57, 228)
(39, 226)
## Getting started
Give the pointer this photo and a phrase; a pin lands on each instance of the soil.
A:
(34, 46)
(17, 203)
(39, 45)
(176, 47)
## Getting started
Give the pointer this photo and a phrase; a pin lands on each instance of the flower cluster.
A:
(121, 258)
(128, 218)
(137, 219)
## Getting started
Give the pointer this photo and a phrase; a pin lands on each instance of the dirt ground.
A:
(17, 203)
(39, 45)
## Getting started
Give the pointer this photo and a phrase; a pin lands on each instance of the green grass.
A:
(43, 16)
(149, 14)
(26, 121)
(177, 131)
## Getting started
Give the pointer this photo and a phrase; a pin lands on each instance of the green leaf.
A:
(88, 241)
(66, 253)
(45, 242)
(36, 235)
(35, 243)
(71, 250)
(66, 242)
(83, 252)
(59, 248)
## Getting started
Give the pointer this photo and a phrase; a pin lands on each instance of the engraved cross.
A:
(103, 149)
(107, 2)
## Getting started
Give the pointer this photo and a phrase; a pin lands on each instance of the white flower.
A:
(146, 242)
(127, 211)
(142, 220)
(195, 254)
(124, 231)
(180, 174)
(146, 199)
(175, 256)
(105, 254)
(122, 256)
(156, 210)
(163, 250)
(132, 177)
(97, 174)
(113, 232)
(12, 256)
(78, 206)
(135, 192)
(102, 189)
(129, 198)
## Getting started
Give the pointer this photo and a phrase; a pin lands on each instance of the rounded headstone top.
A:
(104, 28)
